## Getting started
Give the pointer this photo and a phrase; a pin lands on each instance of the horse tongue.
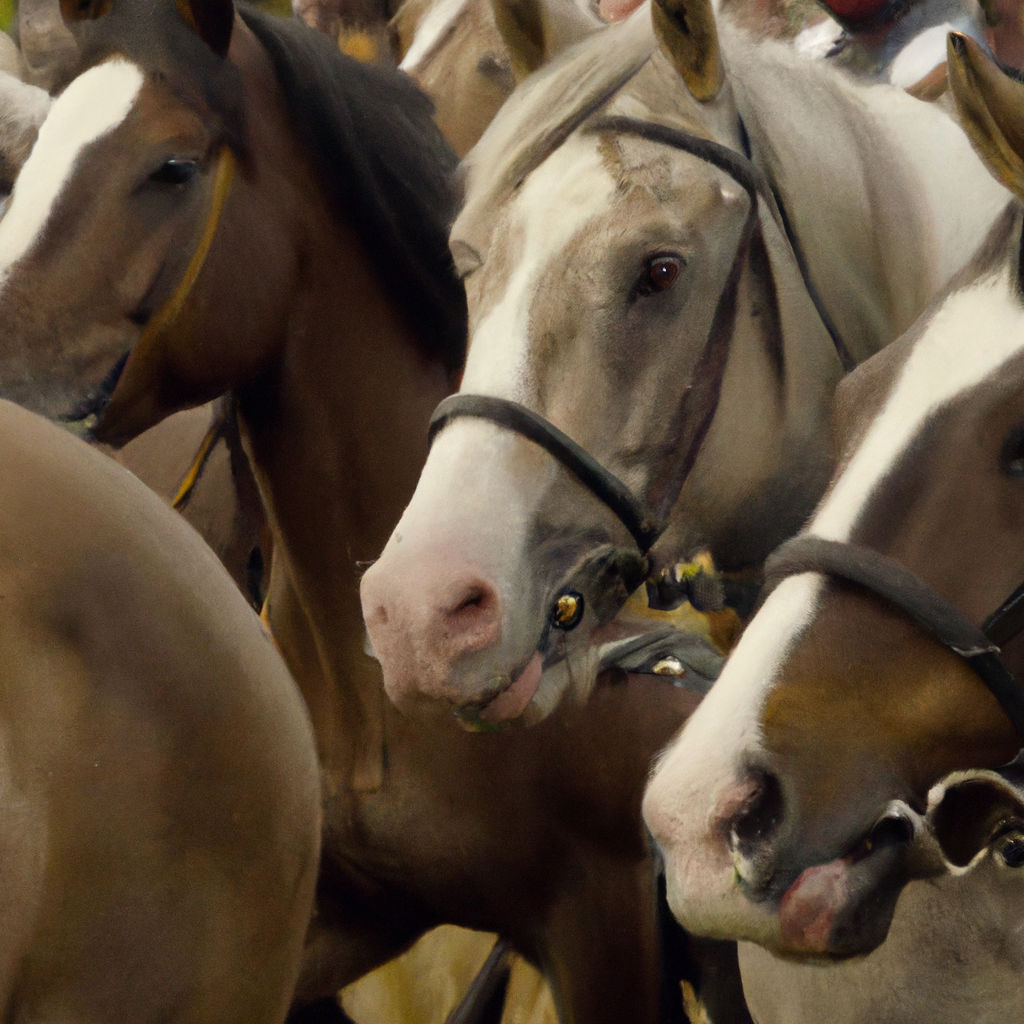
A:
(616, 10)
(809, 907)
(512, 702)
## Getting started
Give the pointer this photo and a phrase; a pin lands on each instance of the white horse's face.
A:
(593, 290)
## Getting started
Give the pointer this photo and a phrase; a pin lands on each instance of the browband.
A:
(978, 646)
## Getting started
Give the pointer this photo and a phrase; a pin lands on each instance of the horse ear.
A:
(688, 36)
(991, 108)
(521, 25)
(535, 30)
(212, 21)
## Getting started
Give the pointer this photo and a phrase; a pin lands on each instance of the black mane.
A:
(384, 164)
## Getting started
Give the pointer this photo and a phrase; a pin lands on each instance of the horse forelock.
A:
(549, 106)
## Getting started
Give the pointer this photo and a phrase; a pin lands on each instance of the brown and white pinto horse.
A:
(248, 210)
(630, 280)
(159, 788)
(788, 808)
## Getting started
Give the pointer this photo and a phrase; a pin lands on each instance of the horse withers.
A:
(665, 301)
(789, 808)
(159, 790)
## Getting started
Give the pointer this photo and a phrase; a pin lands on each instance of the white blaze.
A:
(92, 105)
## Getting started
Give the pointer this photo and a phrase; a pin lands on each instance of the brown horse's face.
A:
(789, 807)
(103, 222)
(457, 57)
(592, 299)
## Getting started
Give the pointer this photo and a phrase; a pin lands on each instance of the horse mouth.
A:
(843, 908)
(84, 418)
(500, 708)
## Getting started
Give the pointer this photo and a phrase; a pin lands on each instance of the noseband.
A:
(978, 647)
(635, 513)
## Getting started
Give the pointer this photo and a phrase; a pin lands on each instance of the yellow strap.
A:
(166, 315)
(191, 478)
(171, 309)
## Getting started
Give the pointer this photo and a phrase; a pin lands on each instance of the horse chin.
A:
(88, 409)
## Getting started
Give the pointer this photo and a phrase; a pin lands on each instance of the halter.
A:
(644, 524)
(978, 647)
(167, 314)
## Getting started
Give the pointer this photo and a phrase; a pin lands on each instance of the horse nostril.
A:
(892, 830)
(473, 618)
(759, 818)
(472, 600)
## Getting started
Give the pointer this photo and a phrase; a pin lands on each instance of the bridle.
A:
(168, 312)
(644, 521)
(978, 647)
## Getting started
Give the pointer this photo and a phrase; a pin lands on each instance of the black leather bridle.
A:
(979, 647)
(644, 523)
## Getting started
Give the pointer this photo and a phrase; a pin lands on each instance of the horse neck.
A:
(884, 192)
(337, 434)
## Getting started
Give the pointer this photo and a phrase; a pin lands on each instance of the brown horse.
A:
(157, 766)
(467, 55)
(194, 458)
(298, 257)
(789, 807)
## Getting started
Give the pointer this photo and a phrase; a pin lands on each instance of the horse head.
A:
(625, 272)
(113, 216)
(468, 55)
(790, 808)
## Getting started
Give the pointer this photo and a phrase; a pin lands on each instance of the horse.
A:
(790, 808)
(157, 765)
(468, 55)
(611, 207)
(193, 459)
(230, 204)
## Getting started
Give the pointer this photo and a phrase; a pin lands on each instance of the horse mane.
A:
(384, 165)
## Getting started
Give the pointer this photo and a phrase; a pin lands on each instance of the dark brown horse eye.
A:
(174, 172)
(658, 275)
(1011, 458)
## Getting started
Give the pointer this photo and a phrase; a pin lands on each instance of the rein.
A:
(978, 647)
(644, 524)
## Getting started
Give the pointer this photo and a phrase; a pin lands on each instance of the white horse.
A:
(631, 280)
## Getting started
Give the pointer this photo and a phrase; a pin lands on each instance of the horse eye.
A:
(1011, 459)
(658, 275)
(174, 172)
